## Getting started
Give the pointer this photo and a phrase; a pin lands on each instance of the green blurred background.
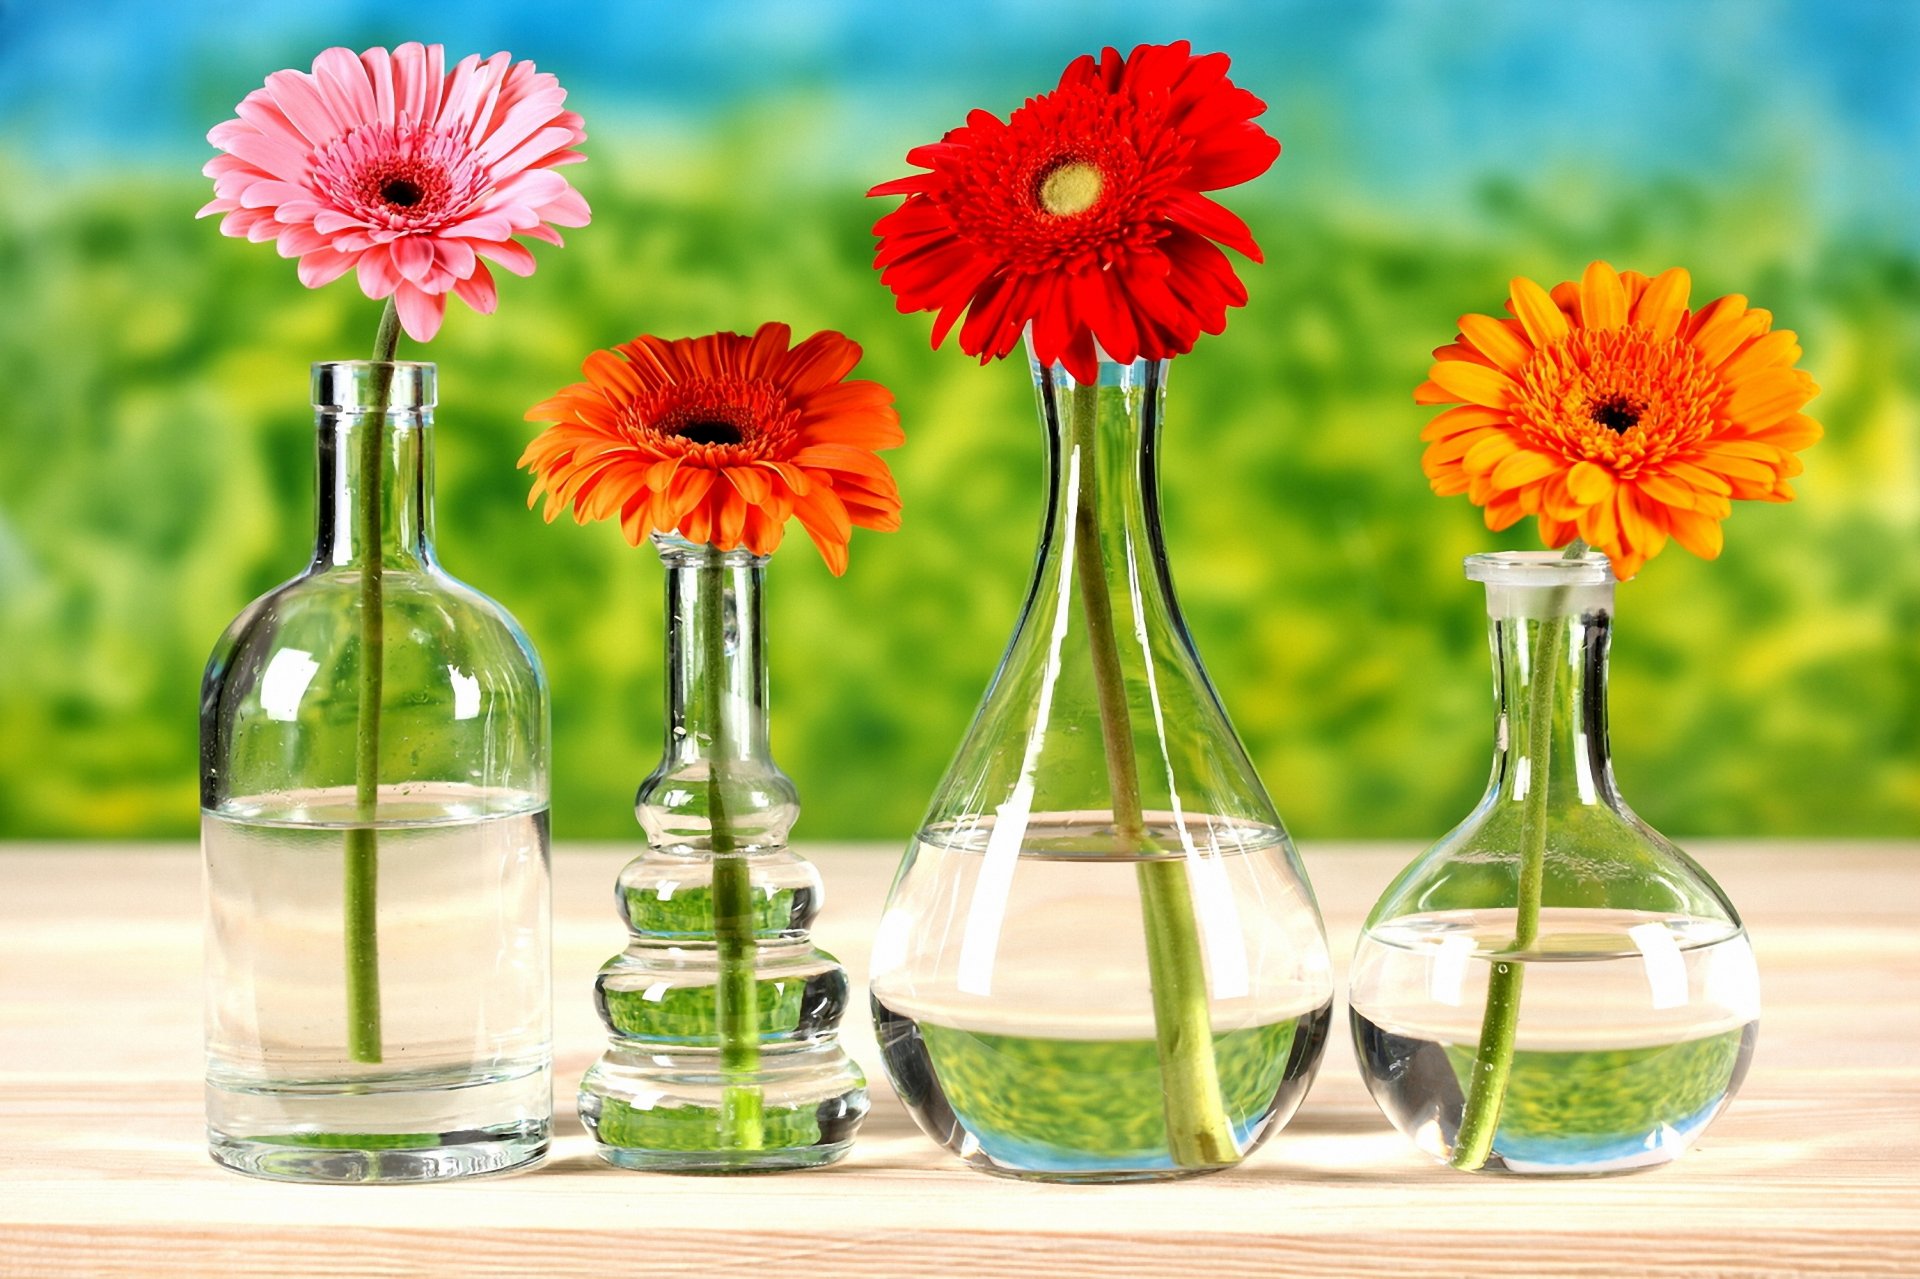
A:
(156, 446)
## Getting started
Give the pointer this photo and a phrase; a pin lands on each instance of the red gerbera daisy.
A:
(1083, 214)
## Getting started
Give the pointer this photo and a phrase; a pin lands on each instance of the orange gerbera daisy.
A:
(1616, 415)
(720, 439)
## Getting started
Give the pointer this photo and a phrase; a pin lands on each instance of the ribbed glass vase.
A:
(724, 1016)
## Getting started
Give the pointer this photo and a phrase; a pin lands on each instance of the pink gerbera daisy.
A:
(390, 165)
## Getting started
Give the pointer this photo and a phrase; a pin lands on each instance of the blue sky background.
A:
(1376, 100)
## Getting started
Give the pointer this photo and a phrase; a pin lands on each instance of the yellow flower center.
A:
(1070, 188)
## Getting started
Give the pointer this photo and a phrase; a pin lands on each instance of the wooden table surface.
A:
(1815, 1170)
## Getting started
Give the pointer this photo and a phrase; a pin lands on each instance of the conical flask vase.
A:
(1101, 960)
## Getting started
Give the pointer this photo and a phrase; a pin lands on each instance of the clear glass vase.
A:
(1101, 959)
(374, 830)
(1553, 988)
(724, 1015)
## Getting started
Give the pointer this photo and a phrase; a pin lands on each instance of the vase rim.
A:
(349, 384)
(1539, 568)
(673, 547)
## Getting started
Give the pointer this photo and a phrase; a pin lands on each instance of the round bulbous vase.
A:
(1554, 988)
(1101, 959)
(374, 751)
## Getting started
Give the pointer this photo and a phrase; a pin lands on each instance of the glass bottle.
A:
(1101, 959)
(723, 1014)
(1553, 987)
(374, 830)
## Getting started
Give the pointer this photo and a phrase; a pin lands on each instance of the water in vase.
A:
(1635, 1029)
(1013, 1002)
(463, 1080)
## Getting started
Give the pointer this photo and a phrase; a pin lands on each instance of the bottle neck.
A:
(1550, 645)
(717, 784)
(716, 655)
(1103, 480)
(374, 478)
(396, 481)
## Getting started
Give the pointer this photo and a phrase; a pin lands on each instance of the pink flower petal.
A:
(570, 209)
(487, 226)
(378, 64)
(378, 279)
(420, 313)
(329, 221)
(418, 77)
(294, 94)
(455, 257)
(477, 290)
(342, 82)
(324, 266)
(513, 257)
(268, 195)
(298, 241)
(413, 255)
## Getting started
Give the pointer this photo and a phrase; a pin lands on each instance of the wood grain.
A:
(1814, 1171)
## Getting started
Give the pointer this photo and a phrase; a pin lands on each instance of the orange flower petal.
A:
(1769, 396)
(1603, 302)
(1697, 532)
(1663, 307)
(1669, 491)
(1523, 468)
(1555, 533)
(1778, 349)
(1589, 483)
(1796, 433)
(1543, 321)
(1465, 418)
(1504, 512)
(1722, 333)
(1487, 453)
(1500, 344)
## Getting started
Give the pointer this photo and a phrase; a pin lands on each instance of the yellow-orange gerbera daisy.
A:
(720, 439)
(1616, 415)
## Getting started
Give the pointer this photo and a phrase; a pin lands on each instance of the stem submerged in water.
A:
(1499, 1025)
(737, 1005)
(1198, 1132)
(361, 890)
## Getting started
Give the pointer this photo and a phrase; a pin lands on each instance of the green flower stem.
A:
(742, 1125)
(1198, 1133)
(1500, 1024)
(362, 887)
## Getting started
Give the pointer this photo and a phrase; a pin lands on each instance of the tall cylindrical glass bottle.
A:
(374, 747)
(1101, 959)
(1554, 987)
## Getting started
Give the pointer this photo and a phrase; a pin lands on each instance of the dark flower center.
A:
(1618, 413)
(402, 193)
(1070, 187)
(709, 432)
